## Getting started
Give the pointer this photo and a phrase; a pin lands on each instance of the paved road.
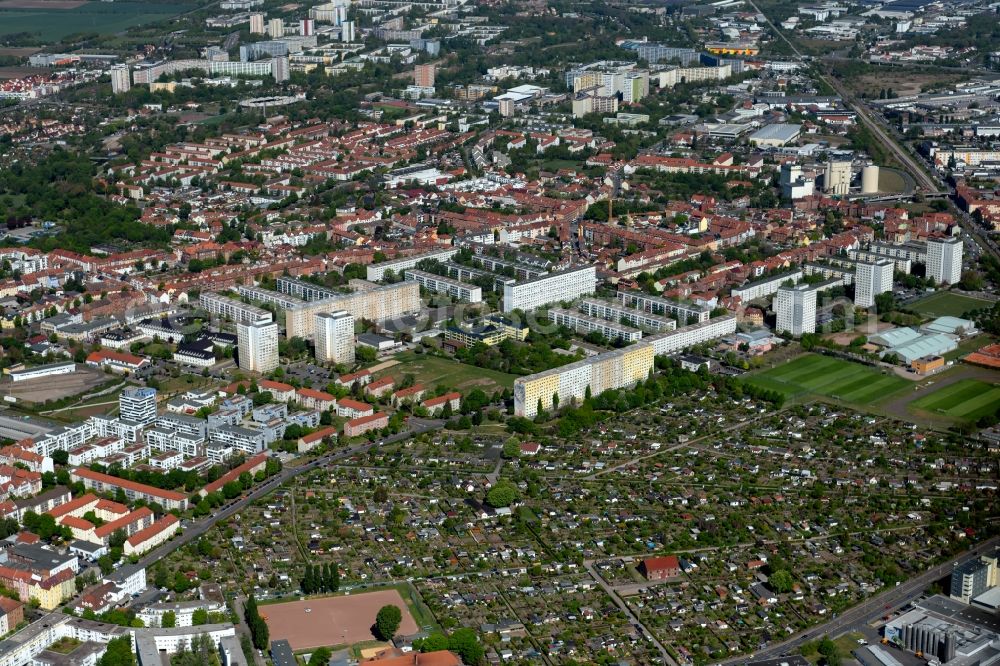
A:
(199, 527)
(875, 607)
(633, 618)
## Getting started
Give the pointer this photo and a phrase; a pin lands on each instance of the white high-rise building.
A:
(121, 79)
(796, 309)
(257, 24)
(257, 345)
(870, 280)
(307, 27)
(276, 28)
(279, 69)
(334, 337)
(347, 31)
(944, 260)
(137, 404)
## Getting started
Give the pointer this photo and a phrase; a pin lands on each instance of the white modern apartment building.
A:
(257, 346)
(586, 324)
(167, 439)
(796, 309)
(682, 312)
(121, 79)
(944, 260)
(765, 286)
(376, 272)
(669, 78)
(468, 293)
(690, 335)
(276, 298)
(137, 405)
(233, 309)
(872, 278)
(382, 303)
(246, 440)
(913, 251)
(903, 264)
(567, 285)
(614, 312)
(335, 337)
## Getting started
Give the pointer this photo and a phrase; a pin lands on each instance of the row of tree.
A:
(259, 632)
(321, 578)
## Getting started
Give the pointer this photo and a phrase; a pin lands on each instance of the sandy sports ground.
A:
(332, 620)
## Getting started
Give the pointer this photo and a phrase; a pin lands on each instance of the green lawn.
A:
(105, 18)
(945, 303)
(965, 400)
(831, 377)
(434, 370)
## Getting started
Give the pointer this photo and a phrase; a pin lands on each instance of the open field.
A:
(52, 20)
(41, 4)
(830, 377)
(965, 400)
(19, 72)
(945, 303)
(18, 51)
(434, 370)
(901, 81)
(891, 180)
(326, 621)
(55, 387)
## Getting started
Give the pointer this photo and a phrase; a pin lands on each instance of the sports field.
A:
(329, 621)
(52, 20)
(947, 304)
(966, 400)
(831, 377)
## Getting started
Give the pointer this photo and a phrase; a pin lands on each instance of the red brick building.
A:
(660, 568)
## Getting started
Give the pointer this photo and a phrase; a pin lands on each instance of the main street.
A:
(876, 607)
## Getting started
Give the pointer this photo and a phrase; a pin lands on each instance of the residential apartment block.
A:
(567, 285)
(573, 382)
(334, 337)
(376, 272)
(468, 293)
(379, 304)
(870, 280)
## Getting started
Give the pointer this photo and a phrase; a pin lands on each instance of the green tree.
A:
(168, 620)
(781, 581)
(503, 493)
(118, 653)
(320, 657)
(466, 645)
(387, 621)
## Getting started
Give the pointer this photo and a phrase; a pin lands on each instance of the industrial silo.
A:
(869, 179)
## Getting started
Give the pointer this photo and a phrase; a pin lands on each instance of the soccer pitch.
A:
(966, 400)
(831, 377)
(945, 303)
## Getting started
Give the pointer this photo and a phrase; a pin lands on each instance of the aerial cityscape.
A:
(485, 332)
